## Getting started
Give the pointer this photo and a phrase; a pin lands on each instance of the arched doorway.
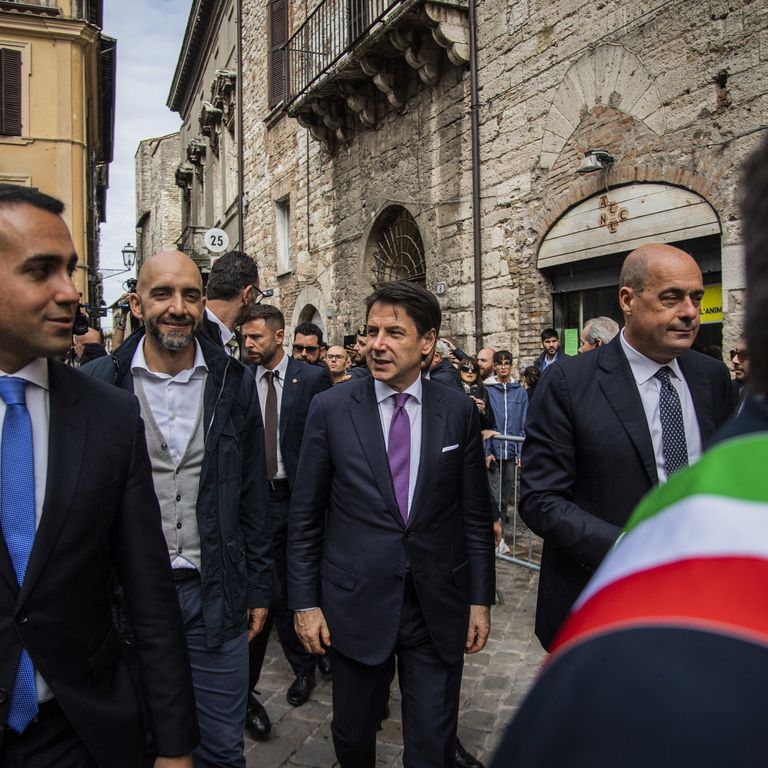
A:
(395, 249)
(583, 252)
(310, 314)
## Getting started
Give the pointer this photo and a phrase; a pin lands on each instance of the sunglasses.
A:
(258, 295)
(301, 348)
(468, 369)
(740, 355)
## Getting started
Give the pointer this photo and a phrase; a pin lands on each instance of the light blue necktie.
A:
(17, 513)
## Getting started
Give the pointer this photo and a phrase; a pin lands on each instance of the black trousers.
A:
(430, 691)
(46, 742)
(301, 662)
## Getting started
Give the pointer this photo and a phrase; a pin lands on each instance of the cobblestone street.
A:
(494, 683)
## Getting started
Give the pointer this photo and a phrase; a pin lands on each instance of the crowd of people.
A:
(167, 504)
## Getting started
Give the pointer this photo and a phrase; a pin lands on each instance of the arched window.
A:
(396, 248)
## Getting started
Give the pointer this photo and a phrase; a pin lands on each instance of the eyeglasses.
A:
(740, 354)
(302, 348)
(328, 357)
(258, 295)
(468, 369)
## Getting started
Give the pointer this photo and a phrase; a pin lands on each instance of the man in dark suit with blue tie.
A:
(78, 509)
(607, 426)
(285, 387)
(391, 539)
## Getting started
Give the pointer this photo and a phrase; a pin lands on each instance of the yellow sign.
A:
(712, 304)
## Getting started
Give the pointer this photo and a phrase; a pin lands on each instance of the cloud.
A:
(149, 35)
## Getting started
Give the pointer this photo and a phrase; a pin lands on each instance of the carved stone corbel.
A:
(450, 30)
(384, 80)
(419, 54)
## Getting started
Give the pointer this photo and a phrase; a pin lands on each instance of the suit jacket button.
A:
(22, 618)
(407, 534)
(398, 578)
(3, 695)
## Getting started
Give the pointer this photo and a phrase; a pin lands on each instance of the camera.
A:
(82, 323)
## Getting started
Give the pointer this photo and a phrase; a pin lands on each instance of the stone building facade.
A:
(373, 148)
(57, 108)
(204, 92)
(158, 198)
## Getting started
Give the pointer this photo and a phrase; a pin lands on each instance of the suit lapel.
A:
(67, 434)
(367, 423)
(618, 385)
(433, 423)
(290, 388)
(700, 389)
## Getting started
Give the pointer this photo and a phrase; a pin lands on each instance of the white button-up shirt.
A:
(261, 385)
(386, 401)
(644, 372)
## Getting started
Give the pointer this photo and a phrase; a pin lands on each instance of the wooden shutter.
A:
(278, 36)
(10, 92)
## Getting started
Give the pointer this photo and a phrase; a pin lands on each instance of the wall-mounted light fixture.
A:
(595, 160)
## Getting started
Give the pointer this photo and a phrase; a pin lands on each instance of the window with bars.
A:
(10, 92)
(278, 37)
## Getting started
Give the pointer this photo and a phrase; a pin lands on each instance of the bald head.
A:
(641, 261)
(168, 262)
(660, 296)
(485, 361)
(169, 301)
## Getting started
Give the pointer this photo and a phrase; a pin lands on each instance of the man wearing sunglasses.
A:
(307, 339)
(233, 286)
(740, 363)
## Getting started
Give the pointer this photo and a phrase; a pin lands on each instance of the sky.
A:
(149, 35)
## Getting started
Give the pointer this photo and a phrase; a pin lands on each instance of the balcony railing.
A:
(327, 35)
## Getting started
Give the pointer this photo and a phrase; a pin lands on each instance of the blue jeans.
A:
(220, 679)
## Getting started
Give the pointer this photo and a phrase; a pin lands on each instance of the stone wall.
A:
(676, 92)
(158, 199)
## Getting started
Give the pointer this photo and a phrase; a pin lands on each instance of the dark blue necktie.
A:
(17, 513)
(673, 441)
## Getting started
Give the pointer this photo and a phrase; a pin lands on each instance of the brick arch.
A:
(609, 75)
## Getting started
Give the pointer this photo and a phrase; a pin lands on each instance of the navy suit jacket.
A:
(302, 382)
(348, 543)
(588, 460)
(100, 519)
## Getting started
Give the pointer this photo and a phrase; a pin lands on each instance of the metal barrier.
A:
(524, 545)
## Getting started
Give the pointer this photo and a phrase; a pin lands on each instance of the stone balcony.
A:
(353, 61)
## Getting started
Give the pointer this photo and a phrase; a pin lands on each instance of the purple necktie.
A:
(399, 452)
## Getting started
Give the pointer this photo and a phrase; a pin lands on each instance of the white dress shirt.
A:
(644, 372)
(38, 405)
(281, 369)
(224, 332)
(386, 401)
(173, 401)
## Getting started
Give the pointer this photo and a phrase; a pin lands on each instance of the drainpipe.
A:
(475, 141)
(240, 121)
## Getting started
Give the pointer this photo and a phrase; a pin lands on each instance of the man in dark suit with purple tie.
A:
(390, 533)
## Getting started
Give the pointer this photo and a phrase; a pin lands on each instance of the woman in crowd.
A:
(529, 378)
(469, 370)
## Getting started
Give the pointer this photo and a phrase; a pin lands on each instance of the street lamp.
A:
(129, 255)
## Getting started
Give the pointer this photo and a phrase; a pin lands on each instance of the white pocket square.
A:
(450, 448)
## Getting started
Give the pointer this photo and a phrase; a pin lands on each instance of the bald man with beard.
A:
(606, 427)
(206, 445)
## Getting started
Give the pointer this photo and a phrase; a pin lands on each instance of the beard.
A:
(174, 341)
